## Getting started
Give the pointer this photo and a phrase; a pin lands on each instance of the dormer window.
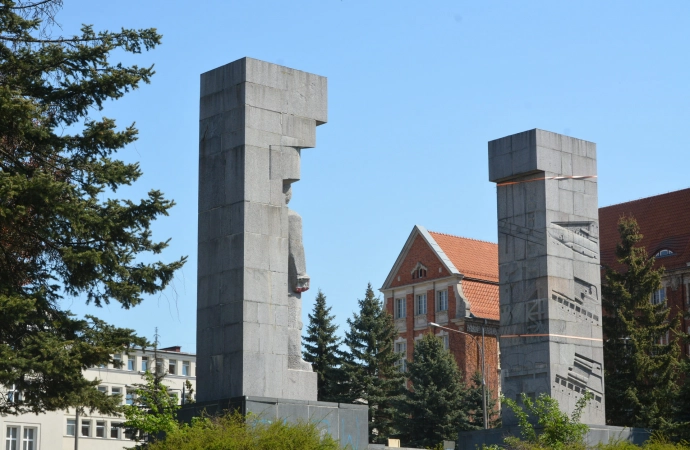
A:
(419, 271)
(663, 253)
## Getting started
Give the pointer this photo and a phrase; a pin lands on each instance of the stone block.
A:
(278, 253)
(232, 312)
(550, 140)
(211, 168)
(257, 281)
(301, 128)
(548, 160)
(210, 105)
(500, 147)
(228, 251)
(234, 96)
(565, 201)
(232, 337)
(263, 119)
(257, 188)
(300, 384)
(232, 186)
(211, 82)
(264, 97)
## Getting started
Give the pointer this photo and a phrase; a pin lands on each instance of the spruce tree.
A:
(476, 406)
(321, 349)
(369, 365)
(436, 406)
(640, 372)
(63, 231)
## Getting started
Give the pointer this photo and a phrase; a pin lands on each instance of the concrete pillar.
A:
(255, 117)
(550, 287)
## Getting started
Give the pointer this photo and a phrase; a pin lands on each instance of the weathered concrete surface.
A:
(471, 440)
(255, 118)
(346, 423)
(550, 287)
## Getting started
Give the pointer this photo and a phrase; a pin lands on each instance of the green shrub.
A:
(235, 432)
(558, 430)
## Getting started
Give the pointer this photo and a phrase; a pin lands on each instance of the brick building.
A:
(664, 221)
(452, 281)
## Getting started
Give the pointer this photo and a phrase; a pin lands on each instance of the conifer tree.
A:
(437, 404)
(369, 365)
(475, 404)
(63, 231)
(641, 372)
(321, 349)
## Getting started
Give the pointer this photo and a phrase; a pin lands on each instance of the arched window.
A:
(419, 271)
(663, 252)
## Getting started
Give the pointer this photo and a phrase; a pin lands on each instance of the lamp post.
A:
(481, 351)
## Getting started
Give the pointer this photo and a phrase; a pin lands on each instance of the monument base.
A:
(471, 440)
(345, 422)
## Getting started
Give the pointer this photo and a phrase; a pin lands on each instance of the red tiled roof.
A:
(473, 258)
(483, 298)
(664, 222)
(477, 260)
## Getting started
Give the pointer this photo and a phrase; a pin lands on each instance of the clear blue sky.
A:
(416, 89)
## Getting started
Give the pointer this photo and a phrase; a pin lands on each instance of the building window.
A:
(86, 428)
(172, 367)
(71, 427)
(659, 296)
(11, 438)
(100, 428)
(129, 399)
(116, 391)
(185, 368)
(442, 303)
(29, 441)
(117, 361)
(444, 339)
(400, 308)
(420, 304)
(115, 430)
(103, 389)
(663, 253)
(419, 271)
(14, 395)
(159, 366)
(401, 349)
(144, 363)
(131, 363)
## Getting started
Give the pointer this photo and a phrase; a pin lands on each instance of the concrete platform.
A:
(345, 422)
(471, 440)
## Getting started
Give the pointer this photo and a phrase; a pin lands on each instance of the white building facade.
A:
(59, 429)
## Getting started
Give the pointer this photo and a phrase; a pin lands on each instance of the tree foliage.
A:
(558, 431)
(60, 232)
(321, 349)
(369, 365)
(437, 405)
(153, 410)
(641, 372)
(237, 432)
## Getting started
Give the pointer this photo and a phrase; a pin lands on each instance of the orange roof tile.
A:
(483, 299)
(473, 258)
(664, 222)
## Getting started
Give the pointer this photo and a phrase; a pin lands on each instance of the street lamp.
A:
(481, 351)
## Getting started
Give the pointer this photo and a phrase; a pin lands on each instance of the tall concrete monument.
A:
(550, 287)
(255, 119)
